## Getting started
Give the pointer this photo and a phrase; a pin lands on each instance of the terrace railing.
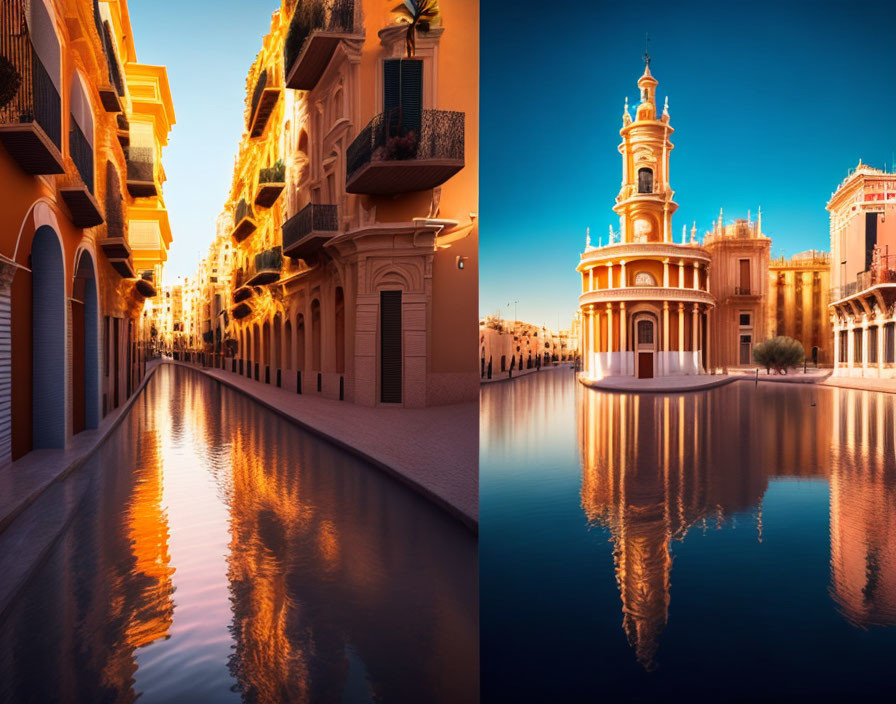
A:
(337, 16)
(141, 164)
(311, 218)
(82, 154)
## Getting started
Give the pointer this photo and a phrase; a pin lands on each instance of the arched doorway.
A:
(315, 335)
(85, 346)
(47, 340)
(340, 330)
(287, 353)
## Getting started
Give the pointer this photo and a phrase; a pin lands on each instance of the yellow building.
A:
(645, 299)
(354, 201)
(798, 303)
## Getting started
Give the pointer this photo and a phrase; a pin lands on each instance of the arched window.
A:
(315, 335)
(645, 180)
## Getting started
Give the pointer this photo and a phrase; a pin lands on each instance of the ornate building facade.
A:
(645, 301)
(863, 273)
(797, 303)
(354, 201)
(75, 123)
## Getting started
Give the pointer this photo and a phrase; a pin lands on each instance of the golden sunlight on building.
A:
(797, 303)
(81, 135)
(353, 211)
(863, 273)
(645, 299)
(507, 347)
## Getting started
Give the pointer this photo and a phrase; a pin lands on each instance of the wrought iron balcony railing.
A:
(882, 271)
(390, 157)
(264, 98)
(265, 267)
(305, 232)
(315, 31)
(82, 154)
(31, 118)
(79, 198)
(141, 171)
(742, 291)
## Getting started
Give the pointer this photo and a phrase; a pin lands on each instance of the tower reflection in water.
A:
(210, 522)
(655, 467)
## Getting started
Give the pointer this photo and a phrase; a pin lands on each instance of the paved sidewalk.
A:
(794, 376)
(887, 386)
(658, 384)
(503, 376)
(434, 450)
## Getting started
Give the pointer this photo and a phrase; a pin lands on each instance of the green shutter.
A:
(403, 92)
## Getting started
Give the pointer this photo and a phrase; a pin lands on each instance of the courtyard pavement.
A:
(503, 376)
(433, 450)
(658, 384)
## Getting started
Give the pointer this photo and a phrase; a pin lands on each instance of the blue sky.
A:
(772, 104)
(208, 48)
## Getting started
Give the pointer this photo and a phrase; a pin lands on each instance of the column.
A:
(610, 275)
(880, 349)
(836, 348)
(622, 282)
(681, 274)
(664, 365)
(596, 339)
(665, 273)
(610, 336)
(591, 279)
(695, 329)
(864, 359)
(680, 335)
(696, 276)
(622, 335)
(708, 338)
(589, 332)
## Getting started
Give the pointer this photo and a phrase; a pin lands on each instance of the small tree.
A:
(779, 353)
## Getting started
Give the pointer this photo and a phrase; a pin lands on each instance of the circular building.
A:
(645, 299)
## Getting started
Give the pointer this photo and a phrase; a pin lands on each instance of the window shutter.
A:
(403, 92)
(390, 346)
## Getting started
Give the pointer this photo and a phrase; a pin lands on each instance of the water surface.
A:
(222, 554)
(733, 544)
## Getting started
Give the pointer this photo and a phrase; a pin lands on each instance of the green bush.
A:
(273, 174)
(779, 353)
(10, 81)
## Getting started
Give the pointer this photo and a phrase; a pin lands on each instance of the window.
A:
(889, 342)
(645, 332)
(872, 345)
(745, 320)
(645, 181)
(857, 345)
(743, 287)
(843, 345)
(403, 93)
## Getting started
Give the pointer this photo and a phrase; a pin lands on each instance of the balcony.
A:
(264, 98)
(244, 217)
(31, 121)
(314, 33)
(271, 181)
(305, 233)
(85, 211)
(241, 290)
(123, 131)
(240, 311)
(146, 284)
(265, 269)
(111, 96)
(141, 172)
(387, 157)
(882, 273)
(118, 252)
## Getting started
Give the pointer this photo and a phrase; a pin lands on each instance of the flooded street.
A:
(223, 554)
(737, 544)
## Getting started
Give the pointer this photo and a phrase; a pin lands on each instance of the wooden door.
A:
(645, 365)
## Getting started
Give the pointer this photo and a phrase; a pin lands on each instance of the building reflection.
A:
(654, 467)
(326, 579)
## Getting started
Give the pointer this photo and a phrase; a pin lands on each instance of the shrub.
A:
(309, 15)
(275, 173)
(779, 353)
(10, 81)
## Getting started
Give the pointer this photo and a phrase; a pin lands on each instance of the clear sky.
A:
(208, 48)
(771, 105)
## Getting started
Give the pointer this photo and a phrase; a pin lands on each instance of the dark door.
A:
(746, 349)
(645, 365)
(390, 346)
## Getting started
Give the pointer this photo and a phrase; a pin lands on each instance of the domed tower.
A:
(645, 298)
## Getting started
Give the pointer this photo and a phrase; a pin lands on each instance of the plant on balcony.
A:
(779, 353)
(309, 16)
(276, 173)
(208, 337)
(10, 81)
(418, 14)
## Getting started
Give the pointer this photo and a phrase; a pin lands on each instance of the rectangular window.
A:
(857, 346)
(844, 342)
(889, 343)
(872, 345)
(745, 320)
(744, 277)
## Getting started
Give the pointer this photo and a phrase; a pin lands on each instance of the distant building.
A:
(797, 303)
(863, 273)
(507, 346)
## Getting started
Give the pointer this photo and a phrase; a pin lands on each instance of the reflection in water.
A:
(222, 554)
(771, 509)
(653, 466)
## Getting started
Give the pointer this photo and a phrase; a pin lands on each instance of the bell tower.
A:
(644, 203)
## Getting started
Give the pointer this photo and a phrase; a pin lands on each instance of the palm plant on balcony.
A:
(419, 15)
